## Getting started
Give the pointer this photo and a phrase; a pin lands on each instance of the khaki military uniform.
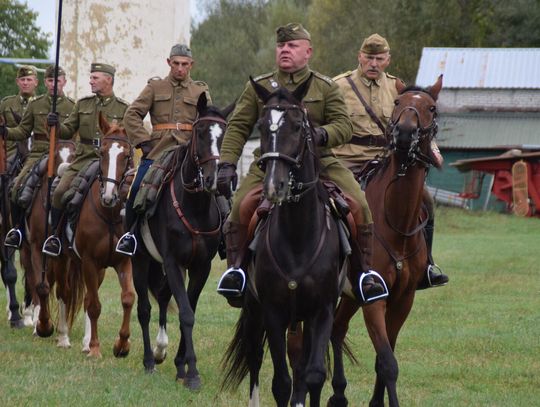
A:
(34, 123)
(8, 105)
(173, 109)
(84, 118)
(368, 139)
(325, 106)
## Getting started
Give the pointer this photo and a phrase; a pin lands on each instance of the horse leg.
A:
(281, 381)
(9, 277)
(124, 272)
(93, 277)
(32, 260)
(295, 340)
(186, 352)
(30, 282)
(58, 274)
(162, 340)
(346, 309)
(386, 366)
(141, 265)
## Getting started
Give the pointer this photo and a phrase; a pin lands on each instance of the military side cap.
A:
(180, 50)
(26, 70)
(49, 72)
(99, 67)
(375, 44)
(292, 31)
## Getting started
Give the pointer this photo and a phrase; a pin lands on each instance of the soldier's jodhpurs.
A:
(354, 196)
(135, 185)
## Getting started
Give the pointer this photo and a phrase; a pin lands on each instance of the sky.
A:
(46, 18)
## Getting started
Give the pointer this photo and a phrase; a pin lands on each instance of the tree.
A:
(19, 38)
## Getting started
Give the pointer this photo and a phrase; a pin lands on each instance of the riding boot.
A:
(127, 244)
(233, 282)
(371, 285)
(434, 276)
(14, 237)
(52, 246)
(224, 207)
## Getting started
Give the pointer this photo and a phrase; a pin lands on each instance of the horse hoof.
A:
(121, 351)
(192, 383)
(337, 401)
(94, 354)
(44, 330)
(17, 324)
(150, 369)
(160, 360)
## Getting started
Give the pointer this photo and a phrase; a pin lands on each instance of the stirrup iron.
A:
(377, 278)
(48, 252)
(232, 292)
(130, 236)
(19, 236)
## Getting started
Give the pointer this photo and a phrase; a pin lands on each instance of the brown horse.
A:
(31, 257)
(98, 228)
(394, 195)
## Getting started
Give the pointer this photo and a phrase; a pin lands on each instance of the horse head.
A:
(413, 124)
(286, 136)
(203, 148)
(115, 157)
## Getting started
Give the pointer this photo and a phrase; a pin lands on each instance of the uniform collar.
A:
(24, 99)
(105, 100)
(286, 78)
(365, 80)
(183, 83)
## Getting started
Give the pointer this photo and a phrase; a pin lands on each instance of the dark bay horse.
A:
(394, 195)
(295, 273)
(97, 231)
(31, 255)
(180, 241)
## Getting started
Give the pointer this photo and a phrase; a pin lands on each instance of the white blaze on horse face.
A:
(275, 123)
(114, 152)
(64, 154)
(215, 133)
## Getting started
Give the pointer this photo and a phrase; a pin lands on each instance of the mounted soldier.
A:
(34, 125)
(84, 118)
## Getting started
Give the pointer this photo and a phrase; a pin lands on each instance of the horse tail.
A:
(245, 348)
(76, 289)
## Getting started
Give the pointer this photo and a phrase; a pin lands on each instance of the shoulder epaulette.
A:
(8, 97)
(36, 98)
(69, 98)
(125, 102)
(154, 78)
(325, 78)
(263, 76)
(200, 83)
(343, 75)
(390, 76)
(87, 97)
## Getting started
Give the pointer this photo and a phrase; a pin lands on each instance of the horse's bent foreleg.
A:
(124, 272)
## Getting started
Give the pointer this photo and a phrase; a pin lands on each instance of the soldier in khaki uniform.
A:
(34, 124)
(172, 104)
(378, 91)
(84, 118)
(12, 107)
(328, 113)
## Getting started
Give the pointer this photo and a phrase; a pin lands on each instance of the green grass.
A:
(472, 343)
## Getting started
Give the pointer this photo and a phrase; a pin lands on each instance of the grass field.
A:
(472, 343)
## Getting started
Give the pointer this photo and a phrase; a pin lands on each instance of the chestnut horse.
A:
(294, 278)
(394, 195)
(180, 241)
(98, 228)
(31, 256)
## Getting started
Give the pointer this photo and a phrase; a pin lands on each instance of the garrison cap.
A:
(375, 44)
(99, 67)
(180, 50)
(292, 31)
(49, 72)
(26, 70)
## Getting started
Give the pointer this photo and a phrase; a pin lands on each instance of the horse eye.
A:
(432, 108)
(396, 102)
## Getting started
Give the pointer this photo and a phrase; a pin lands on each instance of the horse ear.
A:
(260, 90)
(436, 88)
(229, 109)
(301, 91)
(103, 123)
(202, 103)
(400, 86)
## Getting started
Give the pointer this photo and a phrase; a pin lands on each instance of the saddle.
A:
(29, 184)
(74, 197)
(154, 179)
(365, 173)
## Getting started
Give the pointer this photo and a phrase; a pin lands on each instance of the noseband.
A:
(296, 162)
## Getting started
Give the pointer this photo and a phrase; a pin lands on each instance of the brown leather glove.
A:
(227, 179)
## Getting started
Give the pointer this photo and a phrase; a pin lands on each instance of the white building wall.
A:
(456, 99)
(135, 36)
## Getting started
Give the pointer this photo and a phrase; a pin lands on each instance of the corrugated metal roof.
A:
(489, 130)
(516, 68)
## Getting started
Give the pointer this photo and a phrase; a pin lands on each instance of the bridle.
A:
(414, 154)
(197, 184)
(296, 189)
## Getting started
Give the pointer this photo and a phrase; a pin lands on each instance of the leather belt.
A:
(95, 142)
(41, 137)
(172, 126)
(369, 141)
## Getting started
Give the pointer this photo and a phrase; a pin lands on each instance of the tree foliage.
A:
(20, 37)
(237, 39)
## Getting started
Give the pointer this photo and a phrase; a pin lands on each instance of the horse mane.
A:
(414, 88)
(212, 110)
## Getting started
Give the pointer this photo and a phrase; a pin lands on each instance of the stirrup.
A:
(126, 237)
(19, 237)
(435, 270)
(48, 241)
(232, 292)
(376, 276)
